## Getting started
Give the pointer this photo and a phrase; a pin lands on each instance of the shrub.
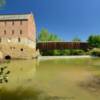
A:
(50, 53)
(46, 53)
(95, 52)
(56, 52)
(65, 52)
(77, 52)
(62, 52)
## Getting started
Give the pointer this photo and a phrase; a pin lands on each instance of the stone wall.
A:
(23, 49)
(17, 51)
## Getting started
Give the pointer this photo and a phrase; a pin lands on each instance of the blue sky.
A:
(66, 18)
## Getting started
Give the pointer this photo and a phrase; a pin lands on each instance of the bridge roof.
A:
(58, 42)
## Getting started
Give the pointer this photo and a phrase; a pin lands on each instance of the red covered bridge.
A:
(62, 45)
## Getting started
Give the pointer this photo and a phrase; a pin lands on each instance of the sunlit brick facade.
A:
(18, 35)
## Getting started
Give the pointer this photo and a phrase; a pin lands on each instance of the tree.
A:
(2, 3)
(53, 37)
(94, 41)
(76, 39)
(44, 35)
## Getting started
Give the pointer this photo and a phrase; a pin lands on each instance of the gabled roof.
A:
(14, 16)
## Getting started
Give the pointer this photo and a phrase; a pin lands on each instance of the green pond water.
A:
(60, 79)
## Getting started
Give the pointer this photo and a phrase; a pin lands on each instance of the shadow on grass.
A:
(23, 94)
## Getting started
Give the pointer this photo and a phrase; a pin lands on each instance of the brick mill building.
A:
(17, 36)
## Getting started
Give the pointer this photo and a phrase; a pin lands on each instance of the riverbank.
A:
(63, 57)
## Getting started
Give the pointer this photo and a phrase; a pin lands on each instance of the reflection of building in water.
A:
(22, 73)
(17, 36)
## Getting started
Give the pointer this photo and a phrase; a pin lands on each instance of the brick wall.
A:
(17, 34)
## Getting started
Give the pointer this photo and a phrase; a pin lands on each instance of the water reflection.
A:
(48, 80)
(22, 73)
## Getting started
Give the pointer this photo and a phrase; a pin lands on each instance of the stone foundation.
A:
(15, 48)
(17, 51)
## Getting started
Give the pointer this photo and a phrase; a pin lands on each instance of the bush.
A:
(95, 52)
(46, 53)
(62, 52)
(55, 52)
(77, 52)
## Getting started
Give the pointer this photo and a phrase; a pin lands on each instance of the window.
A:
(0, 40)
(14, 48)
(12, 22)
(21, 22)
(5, 23)
(21, 49)
(12, 31)
(20, 32)
(5, 32)
(19, 40)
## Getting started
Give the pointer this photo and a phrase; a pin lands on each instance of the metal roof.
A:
(14, 17)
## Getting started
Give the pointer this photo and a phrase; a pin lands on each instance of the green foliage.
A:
(56, 52)
(50, 53)
(76, 39)
(53, 37)
(94, 41)
(95, 52)
(3, 74)
(65, 52)
(62, 52)
(2, 3)
(46, 36)
(77, 52)
(43, 36)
